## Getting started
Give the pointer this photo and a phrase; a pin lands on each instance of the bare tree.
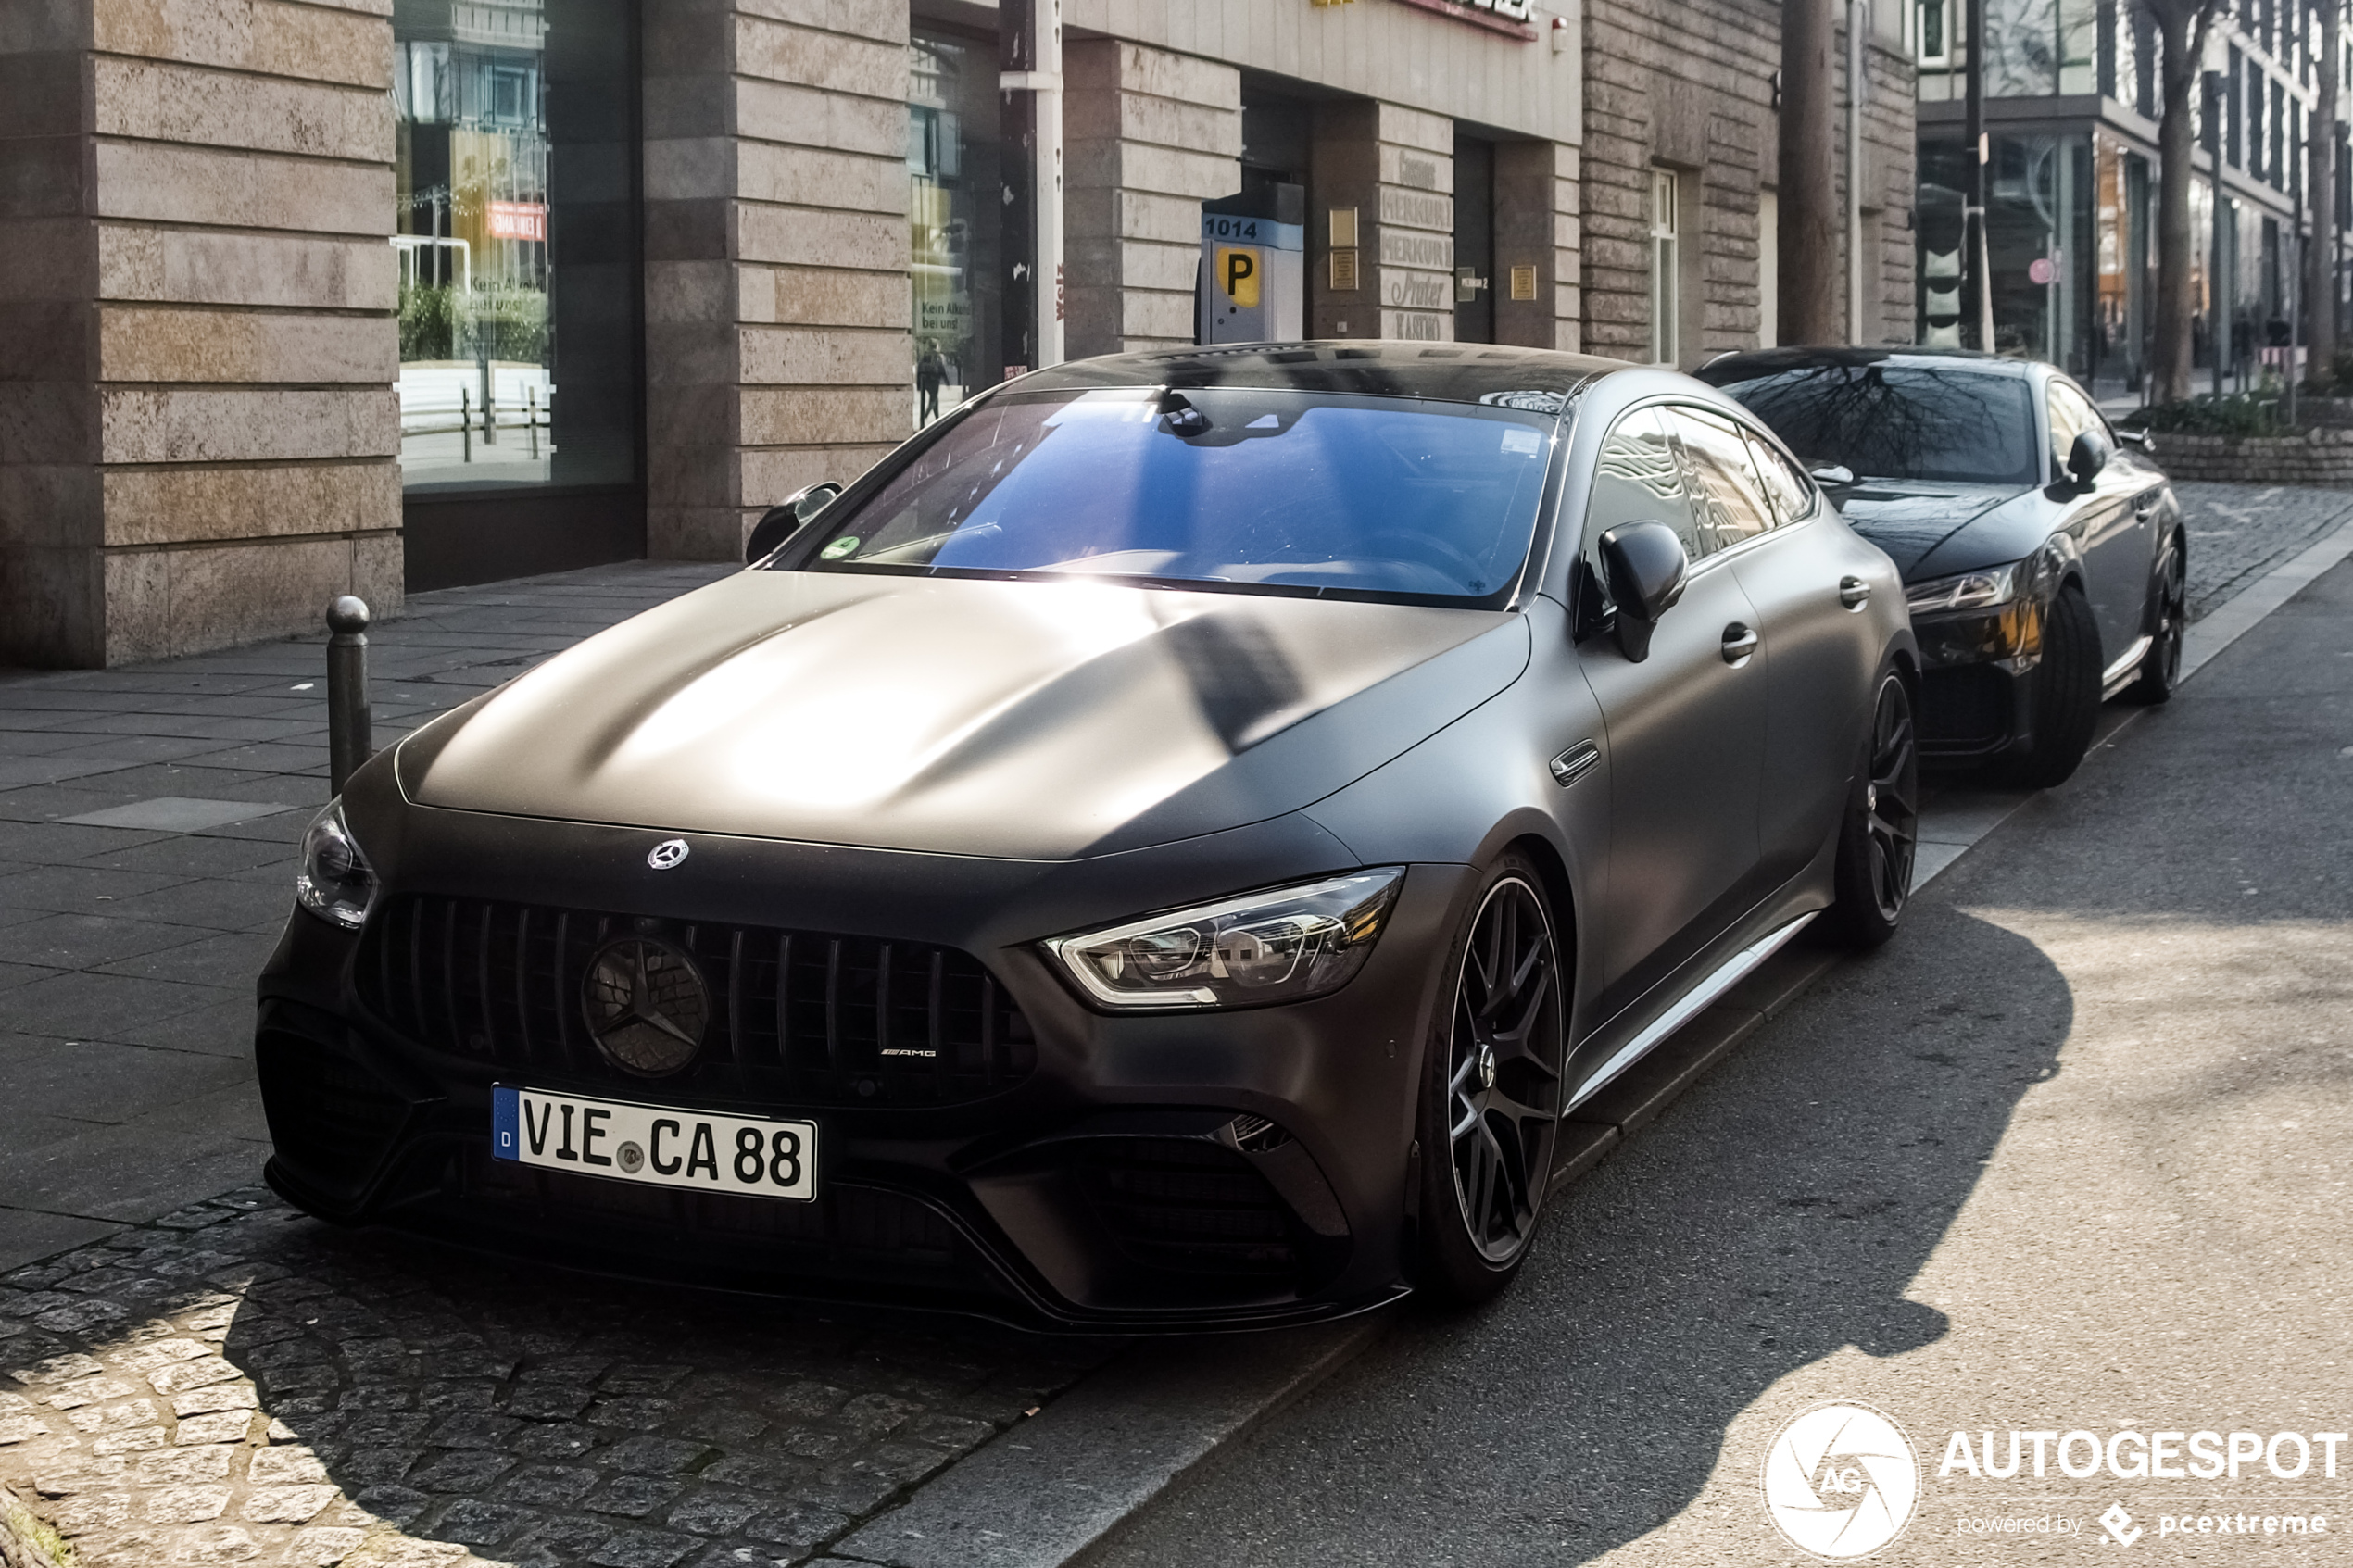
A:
(2181, 27)
(2320, 261)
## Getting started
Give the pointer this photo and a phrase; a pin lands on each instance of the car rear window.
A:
(1902, 421)
(1263, 489)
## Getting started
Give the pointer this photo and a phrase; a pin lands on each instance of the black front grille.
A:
(331, 1119)
(1965, 707)
(1186, 1205)
(806, 1017)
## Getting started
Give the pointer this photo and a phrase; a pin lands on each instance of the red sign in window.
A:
(518, 221)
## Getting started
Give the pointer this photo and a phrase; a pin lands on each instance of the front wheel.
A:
(1492, 1092)
(2168, 618)
(1879, 836)
(2067, 694)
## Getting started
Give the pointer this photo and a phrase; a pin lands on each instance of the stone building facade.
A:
(1681, 150)
(300, 297)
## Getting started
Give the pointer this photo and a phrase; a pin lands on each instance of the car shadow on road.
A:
(1776, 1214)
(241, 1383)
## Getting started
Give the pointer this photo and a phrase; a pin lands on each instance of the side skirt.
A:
(1695, 1002)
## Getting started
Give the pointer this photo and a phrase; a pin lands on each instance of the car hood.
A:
(1909, 519)
(1026, 720)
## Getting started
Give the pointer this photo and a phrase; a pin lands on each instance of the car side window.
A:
(1733, 501)
(1791, 493)
(2071, 416)
(1637, 479)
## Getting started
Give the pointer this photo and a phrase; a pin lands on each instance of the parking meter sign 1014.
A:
(1252, 266)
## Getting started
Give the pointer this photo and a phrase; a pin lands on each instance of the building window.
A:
(1936, 33)
(1665, 269)
(512, 119)
(952, 161)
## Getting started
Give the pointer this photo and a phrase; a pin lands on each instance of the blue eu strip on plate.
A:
(505, 1143)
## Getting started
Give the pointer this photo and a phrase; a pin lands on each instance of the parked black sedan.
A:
(2044, 557)
(1170, 843)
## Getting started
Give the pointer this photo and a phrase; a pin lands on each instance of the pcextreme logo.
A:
(1841, 1481)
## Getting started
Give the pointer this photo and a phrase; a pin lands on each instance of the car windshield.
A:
(1268, 489)
(1902, 421)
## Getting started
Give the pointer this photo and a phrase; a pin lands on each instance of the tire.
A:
(1492, 1090)
(1880, 834)
(2168, 615)
(2067, 694)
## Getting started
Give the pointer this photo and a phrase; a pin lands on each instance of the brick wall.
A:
(1146, 137)
(778, 350)
(2314, 456)
(1688, 85)
(197, 426)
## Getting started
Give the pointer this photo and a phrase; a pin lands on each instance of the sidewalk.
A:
(148, 817)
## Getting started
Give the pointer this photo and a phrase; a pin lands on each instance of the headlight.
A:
(1280, 945)
(335, 882)
(1970, 590)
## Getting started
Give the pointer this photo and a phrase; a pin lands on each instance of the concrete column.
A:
(199, 433)
(1536, 225)
(1148, 137)
(778, 348)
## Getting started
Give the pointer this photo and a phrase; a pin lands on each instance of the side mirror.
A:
(783, 520)
(1645, 565)
(2088, 455)
(1833, 473)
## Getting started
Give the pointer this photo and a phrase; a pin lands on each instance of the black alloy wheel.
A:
(2169, 617)
(2067, 694)
(1879, 839)
(1493, 1091)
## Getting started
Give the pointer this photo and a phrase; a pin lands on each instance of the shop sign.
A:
(518, 221)
(1509, 17)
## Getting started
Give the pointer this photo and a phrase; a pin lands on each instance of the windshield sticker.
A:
(844, 546)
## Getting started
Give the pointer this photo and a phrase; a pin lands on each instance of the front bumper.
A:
(1115, 1173)
(1977, 687)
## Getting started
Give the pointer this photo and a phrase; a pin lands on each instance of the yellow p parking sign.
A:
(1238, 270)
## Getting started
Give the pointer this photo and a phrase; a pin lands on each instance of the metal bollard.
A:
(350, 722)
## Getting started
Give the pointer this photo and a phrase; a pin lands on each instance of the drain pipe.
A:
(1859, 22)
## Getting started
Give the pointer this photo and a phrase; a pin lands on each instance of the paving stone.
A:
(644, 1548)
(548, 1484)
(653, 1456)
(633, 1496)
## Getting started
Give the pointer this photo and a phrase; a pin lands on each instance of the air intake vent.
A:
(808, 1017)
(1182, 1204)
(331, 1119)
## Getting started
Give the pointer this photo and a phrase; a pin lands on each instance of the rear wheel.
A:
(2067, 694)
(1880, 834)
(2169, 615)
(1492, 1090)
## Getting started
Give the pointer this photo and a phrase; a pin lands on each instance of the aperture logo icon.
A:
(1841, 1481)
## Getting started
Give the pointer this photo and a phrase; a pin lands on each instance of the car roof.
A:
(1542, 379)
(1766, 361)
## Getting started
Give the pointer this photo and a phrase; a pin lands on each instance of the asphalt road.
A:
(2071, 1154)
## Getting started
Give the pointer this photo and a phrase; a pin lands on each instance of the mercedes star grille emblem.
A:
(666, 854)
(646, 1006)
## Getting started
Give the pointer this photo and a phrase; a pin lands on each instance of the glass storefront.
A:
(951, 166)
(516, 234)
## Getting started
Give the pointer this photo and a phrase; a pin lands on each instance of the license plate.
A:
(661, 1146)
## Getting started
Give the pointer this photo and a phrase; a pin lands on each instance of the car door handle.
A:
(1739, 642)
(2145, 503)
(1853, 591)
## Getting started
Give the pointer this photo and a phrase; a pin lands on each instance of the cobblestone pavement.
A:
(2239, 531)
(234, 1383)
(129, 940)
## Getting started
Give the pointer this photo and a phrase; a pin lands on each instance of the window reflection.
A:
(491, 170)
(952, 161)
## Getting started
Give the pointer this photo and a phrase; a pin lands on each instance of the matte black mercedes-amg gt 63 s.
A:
(2042, 553)
(1169, 845)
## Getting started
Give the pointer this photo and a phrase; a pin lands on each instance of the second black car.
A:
(2044, 555)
